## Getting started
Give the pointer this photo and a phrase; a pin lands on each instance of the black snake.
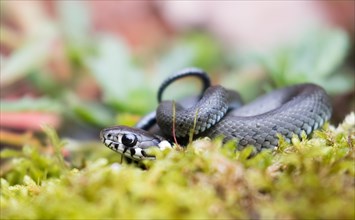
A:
(219, 112)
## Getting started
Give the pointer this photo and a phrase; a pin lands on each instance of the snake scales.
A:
(219, 112)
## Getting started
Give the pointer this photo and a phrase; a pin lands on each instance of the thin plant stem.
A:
(174, 123)
(191, 136)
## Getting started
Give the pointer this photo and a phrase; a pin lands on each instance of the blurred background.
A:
(80, 66)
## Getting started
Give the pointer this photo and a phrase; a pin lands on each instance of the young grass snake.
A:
(220, 112)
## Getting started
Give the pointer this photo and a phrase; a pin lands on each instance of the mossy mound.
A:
(311, 178)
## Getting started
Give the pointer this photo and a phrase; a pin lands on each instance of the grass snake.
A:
(220, 112)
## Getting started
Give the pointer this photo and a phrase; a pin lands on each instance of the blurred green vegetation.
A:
(315, 58)
(127, 82)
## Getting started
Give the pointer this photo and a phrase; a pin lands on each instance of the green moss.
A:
(308, 178)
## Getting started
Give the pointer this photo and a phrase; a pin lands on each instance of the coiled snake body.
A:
(219, 112)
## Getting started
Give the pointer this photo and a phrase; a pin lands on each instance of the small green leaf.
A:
(123, 85)
(30, 104)
(93, 113)
(8, 153)
(27, 57)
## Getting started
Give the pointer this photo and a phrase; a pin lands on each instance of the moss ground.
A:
(306, 179)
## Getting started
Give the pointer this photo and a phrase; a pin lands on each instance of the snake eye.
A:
(129, 140)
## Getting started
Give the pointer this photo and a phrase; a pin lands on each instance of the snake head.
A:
(133, 143)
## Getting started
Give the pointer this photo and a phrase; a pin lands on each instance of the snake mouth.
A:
(135, 153)
(133, 143)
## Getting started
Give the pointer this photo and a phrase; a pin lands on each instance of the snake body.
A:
(217, 112)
